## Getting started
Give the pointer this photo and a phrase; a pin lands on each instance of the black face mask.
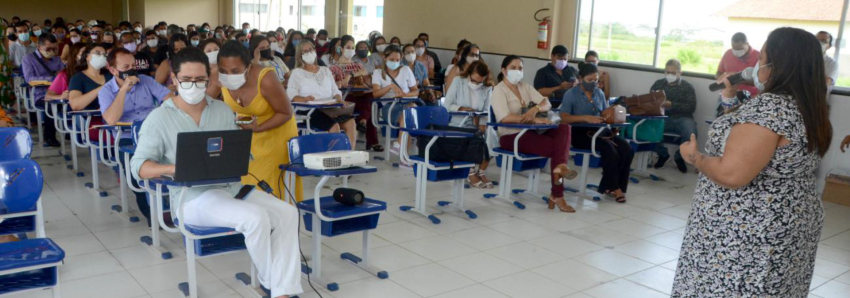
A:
(129, 73)
(362, 53)
(107, 45)
(266, 54)
(12, 37)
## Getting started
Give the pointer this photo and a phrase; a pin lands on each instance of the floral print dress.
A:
(759, 240)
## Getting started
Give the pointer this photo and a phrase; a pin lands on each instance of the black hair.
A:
(739, 37)
(240, 34)
(190, 54)
(289, 49)
(125, 23)
(797, 69)
(45, 38)
(586, 69)
(74, 30)
(463, 43)
(20, 24)
(505, 62)
(174, 39)
(311, 31)
(591, 53)
(461, 63)
(127, 33)
(234, 49)
(322, 32)
(193, 34)
(344, 40)
(113, 54)
(374, 44)
(58, 26)
(149, 32)
(207, 41)
(246, 23)
(255, 42)
(394, 38)
(560, 50)
(422, 34)
(336, 41)
(827, 34)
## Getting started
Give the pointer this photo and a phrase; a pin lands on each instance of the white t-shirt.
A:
(831, 67)
(405, 80)
(320, 85)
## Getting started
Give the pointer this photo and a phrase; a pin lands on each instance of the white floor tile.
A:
(623, 288)
(482, 238)
(88, 265)
(656, 278)
(671, 240)
(575, 275)
(115, 285)
(833, 289)
(373, 287)
(522, 229)
(475, 291)
(79, 244)
(481, 266)
(207, 289)
(526, 255)
(648, 251)
(402, 231)
(633, 228)
(449, 223)
(829, 269)
(565, 245)
(438, 248)
(614, 262)
(166, 276)
(602, 236)
(432, 279)
(841, 241)
(561, 222)
(529, 285)
(394, 258)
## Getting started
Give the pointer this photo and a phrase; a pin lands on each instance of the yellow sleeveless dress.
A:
(269, 148)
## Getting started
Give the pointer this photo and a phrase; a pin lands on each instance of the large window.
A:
(268, 15)
(368, 17)
(697, 33)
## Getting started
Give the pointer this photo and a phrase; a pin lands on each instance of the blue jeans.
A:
(683, 126)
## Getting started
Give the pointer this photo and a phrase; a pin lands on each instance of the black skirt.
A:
(321, 121)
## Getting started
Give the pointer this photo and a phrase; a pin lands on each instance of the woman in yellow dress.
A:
(251, 93)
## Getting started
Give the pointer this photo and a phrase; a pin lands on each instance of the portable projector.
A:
(335, 159)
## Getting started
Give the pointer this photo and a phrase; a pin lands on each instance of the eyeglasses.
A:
(199, 84)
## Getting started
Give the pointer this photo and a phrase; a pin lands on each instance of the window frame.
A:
(840, 90)
(298, 14)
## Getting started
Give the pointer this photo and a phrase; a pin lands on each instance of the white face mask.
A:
(475, 86)
(213, 57)
(322, 42)
(410, 57)
(97, 61)
(152, 43)
(514, 76)
(759, 84)
(192, 95)
(471, 59)
(739, 53)
(233, 81)
(139, 29)
(309, 58)
(671, 78)
(274, 46)
(420, 51)
(823, 47)
(348, 53)
(162, 32)
(381, 47)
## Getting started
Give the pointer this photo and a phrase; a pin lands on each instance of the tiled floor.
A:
(605, 250)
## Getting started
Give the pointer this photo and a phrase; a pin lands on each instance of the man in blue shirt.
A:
(554, 79)
(42, 65)
(129, 96)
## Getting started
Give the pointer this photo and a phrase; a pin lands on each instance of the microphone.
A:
(349, 196)
(735, 79)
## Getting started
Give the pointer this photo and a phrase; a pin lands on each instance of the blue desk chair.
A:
(201, 242)
(30, 265)
(329, 218)
(643, 149)
(126, 179)
(387, 126)
(417, 121)
(20, 198)
(81, 122)
(16, 143)
(18, 83)
(588, 158)
(154, 190)
(110, 153)
(53, 110)
(39, 113)
(514, 161)
(66, 125)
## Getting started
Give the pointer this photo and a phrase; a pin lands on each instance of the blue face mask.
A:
(245, 43)
(589, 86)
(295, 42)
(23, 36)
(393, 65)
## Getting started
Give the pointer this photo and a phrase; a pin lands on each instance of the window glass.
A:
(368, 17)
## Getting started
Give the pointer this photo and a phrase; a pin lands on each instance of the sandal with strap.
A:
(561, 203)
(378, 148)
(479, 184)
(483, 177)
(621, 199)
(563, 172)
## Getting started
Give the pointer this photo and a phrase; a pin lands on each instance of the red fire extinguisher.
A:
(543, 30)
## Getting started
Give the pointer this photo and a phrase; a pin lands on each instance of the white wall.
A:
(628, 82)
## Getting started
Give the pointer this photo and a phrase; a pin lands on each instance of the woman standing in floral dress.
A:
(756, 217)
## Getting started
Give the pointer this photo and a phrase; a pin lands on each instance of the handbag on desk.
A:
(615, 114)
(649, 104)
(346, 110)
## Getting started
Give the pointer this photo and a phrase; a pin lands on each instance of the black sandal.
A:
(378, 148)
(621, 199)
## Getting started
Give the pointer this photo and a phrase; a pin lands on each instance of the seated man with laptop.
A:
(206, 127)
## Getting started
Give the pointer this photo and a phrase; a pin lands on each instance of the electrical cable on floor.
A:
(303, 258)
